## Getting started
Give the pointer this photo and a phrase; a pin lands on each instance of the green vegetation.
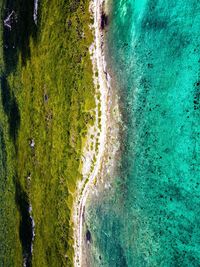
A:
(49, 101)
(10, 248)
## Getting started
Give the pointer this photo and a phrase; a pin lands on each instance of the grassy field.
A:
(47, 99)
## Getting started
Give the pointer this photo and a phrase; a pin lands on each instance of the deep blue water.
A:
(152, 215)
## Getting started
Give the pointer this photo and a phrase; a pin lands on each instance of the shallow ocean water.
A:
(151, 216)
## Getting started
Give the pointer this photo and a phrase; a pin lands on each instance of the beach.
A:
(102, 83)
(99, 133)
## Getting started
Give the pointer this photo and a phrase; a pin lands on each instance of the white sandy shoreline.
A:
(103, 80)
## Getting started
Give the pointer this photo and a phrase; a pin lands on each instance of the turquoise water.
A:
(151, 217)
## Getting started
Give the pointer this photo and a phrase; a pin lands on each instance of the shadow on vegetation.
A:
(25, 228)
(3, 161)
(19, 27)
(10, 107)
(74, 5)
